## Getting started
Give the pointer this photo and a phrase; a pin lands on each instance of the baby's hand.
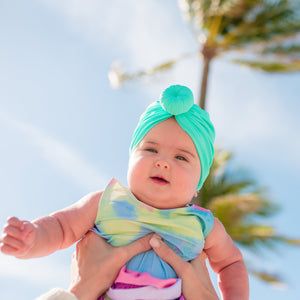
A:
(17, 237)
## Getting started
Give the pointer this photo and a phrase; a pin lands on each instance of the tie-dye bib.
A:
(122, 219)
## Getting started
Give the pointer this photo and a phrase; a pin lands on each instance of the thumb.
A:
(168, 255)
(138, 246)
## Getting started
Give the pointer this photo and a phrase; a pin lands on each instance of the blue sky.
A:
(64, 132)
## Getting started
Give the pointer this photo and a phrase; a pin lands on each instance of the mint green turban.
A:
(178, 101)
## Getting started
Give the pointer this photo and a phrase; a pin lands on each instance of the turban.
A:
(178, 101)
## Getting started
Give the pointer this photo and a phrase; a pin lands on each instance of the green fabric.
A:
(175, 101)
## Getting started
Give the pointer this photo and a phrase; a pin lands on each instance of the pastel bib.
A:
(122, 219)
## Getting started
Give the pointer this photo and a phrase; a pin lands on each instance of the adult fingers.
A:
(200, 267)
(86, 243)
(196, 283)
(200, 260)
(93, 241)
(168, 255)
(202, 274)
(139, 246)
(91, 245)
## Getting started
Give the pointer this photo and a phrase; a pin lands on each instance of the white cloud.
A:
(58, 154)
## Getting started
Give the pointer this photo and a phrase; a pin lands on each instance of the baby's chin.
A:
(151, 203)
(161, 205)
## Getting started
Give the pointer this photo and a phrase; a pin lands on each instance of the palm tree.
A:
(240, 204)
(263, 31)
(260, 29)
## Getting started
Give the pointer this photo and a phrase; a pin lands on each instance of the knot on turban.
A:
(177, 101)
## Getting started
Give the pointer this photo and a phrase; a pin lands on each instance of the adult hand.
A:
(196, 283)
(96, 264)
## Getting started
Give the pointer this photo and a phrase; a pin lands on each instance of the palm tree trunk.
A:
(204, 81)
(207, 57)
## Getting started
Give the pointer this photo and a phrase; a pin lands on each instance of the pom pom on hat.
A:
(177, 99)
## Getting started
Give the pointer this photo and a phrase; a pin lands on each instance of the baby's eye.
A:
(180, 157)
(151, 150)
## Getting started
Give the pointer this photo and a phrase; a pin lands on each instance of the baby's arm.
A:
(226, 260)
(24, 239)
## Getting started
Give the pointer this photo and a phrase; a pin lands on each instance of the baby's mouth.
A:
(160, 180)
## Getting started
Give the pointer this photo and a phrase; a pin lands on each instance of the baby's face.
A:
(164, 169)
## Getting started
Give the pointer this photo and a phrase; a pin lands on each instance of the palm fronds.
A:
(242, 207)
(271, 67)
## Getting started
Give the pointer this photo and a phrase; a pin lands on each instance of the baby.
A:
(170, 156)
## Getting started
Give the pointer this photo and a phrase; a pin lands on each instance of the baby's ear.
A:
(196, 194)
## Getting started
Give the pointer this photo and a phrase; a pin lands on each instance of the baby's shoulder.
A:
(217, 235)
(205, 217)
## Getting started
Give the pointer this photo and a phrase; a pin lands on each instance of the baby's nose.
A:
(162, 164)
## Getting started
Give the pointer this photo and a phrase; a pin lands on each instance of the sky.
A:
(65, 132)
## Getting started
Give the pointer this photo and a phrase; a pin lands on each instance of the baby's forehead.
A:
(169, 133)
(169, 128)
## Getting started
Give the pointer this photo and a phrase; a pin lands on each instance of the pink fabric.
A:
(143, 279)
(200, 208)
(124, 286)
(146, 293)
